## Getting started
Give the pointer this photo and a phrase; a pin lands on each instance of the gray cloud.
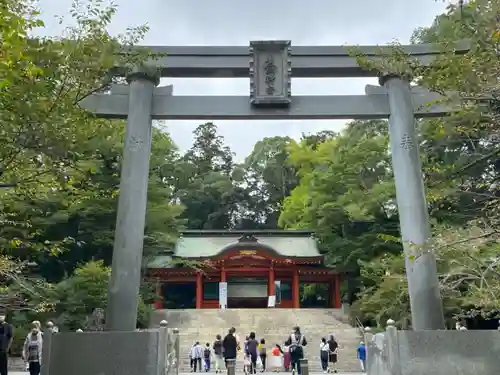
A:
(230, 22)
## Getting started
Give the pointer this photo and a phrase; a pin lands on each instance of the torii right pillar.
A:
(421, 271)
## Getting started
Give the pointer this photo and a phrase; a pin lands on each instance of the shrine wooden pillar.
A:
(334, 289)
(338, 301)
(223, 274)
(295, 289)
(270, 282)
(199, 289)
(158, 303)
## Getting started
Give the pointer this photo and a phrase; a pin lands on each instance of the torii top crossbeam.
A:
(307, 61)
(270, 66)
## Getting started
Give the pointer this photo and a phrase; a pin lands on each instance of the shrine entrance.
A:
(247, 303)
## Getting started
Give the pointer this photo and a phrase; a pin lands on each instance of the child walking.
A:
(275, 359)
(362, 356)
(262, 354)
(286, 358)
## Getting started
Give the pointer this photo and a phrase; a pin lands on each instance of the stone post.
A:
(368, 335)
(129, 232)
(231, 366)
(421, 272)
(304, 366)
(391, 333)
(176, 348)
(46, 352)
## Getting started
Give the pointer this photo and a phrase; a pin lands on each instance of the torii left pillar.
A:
(125, 279)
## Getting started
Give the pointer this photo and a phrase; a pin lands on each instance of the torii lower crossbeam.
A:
(166, 107)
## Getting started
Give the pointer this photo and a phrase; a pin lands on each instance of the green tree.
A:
(268, 179)
(61, 162)
(346, 194)
(43, 132)
(204, 182)
(77, 297)
(468, 268)
(460, 160)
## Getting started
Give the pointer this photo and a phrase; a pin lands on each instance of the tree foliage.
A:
(460, 158)
(346, 193)
(62, 166)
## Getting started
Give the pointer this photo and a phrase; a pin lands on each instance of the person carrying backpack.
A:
(296, 342)
(207, 354)
(333, 346)
(218, 353)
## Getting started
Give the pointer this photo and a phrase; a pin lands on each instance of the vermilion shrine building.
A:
(253, 263)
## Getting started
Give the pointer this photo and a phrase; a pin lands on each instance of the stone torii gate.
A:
(270, 66)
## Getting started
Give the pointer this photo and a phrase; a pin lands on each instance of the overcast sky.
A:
(233, 22)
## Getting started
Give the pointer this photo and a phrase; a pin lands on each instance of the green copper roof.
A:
(160, 261)
(203, 244)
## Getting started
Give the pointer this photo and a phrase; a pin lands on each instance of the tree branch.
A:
(484, 235)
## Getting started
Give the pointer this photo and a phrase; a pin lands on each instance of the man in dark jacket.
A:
(230, 345)
(6, 335)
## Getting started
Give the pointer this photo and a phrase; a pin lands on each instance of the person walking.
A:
(38, 326)
(246, 356)
(252, 352)
(191, 357)
(324, 351)
(32, 350)
(52, 327)
(296, 342)
(262, 354)
(6, 335)
(230, 345)
(217, 347)
(207, 356)
(286, 358)
(361, 353)
(332, 357)
(275, 362)
(196, 355)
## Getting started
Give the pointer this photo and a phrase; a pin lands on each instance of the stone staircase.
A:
(274, 325)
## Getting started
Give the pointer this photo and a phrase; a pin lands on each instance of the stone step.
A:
(274, 325)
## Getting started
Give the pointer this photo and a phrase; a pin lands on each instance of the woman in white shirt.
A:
(324, 351)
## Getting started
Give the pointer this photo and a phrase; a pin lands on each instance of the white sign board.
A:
(271, 301)
(223, 295)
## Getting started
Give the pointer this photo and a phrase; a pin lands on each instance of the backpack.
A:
(206, 353)
(297, 341)
(218, 347)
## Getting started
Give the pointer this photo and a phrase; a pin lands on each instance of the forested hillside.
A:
(59, 169)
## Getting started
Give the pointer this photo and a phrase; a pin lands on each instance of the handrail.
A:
(361, 328)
